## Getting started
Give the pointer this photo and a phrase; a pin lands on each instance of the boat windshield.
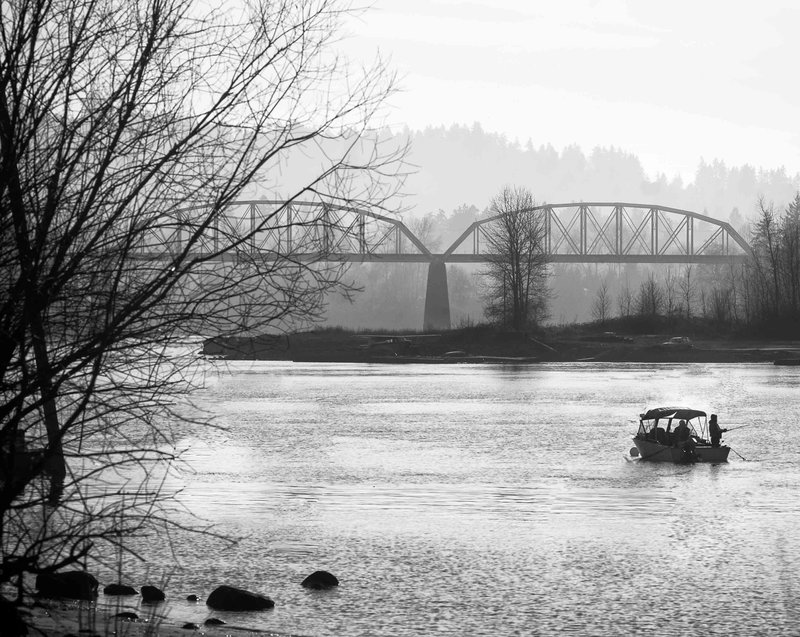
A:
(667, 420)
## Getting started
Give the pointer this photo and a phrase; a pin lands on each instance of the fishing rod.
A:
(739, 427)
(738, 454)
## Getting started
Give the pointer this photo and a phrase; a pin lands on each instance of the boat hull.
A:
(655, 452)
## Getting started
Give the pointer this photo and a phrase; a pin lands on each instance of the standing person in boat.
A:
(714, 431)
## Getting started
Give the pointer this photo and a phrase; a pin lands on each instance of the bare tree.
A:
(775, 266)
(766, 245)
(722, 302)
(650, 299)
(425, 229)
(687, 288)
(126, 131)
(625, 300)
(670, 292)
(790, 236)
(515, 280)
(601, 306)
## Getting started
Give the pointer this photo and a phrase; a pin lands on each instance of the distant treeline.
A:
(467, 165)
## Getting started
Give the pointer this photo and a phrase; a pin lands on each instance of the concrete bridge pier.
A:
(437, 299)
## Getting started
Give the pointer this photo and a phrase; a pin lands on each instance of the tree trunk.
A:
(33, 309)
(55, 463)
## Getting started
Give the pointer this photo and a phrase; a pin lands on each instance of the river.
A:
(491, 500)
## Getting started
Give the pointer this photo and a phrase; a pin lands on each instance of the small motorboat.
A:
(676, 434)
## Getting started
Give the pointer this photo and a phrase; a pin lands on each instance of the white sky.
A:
(671, 82)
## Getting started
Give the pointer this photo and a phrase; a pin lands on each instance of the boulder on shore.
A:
(231, 598)
(119, 589)
(152, 594)
(71, 584)
(320, 580)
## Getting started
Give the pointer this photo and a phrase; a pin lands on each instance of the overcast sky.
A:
(671, 82)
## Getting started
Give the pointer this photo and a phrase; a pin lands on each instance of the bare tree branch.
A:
(515, 280)
(126, 126)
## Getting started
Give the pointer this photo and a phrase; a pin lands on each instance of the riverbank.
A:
(485, 345)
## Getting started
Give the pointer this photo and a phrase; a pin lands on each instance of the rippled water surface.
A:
(494, 500)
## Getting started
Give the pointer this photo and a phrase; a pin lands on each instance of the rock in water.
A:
(231, 598)
(72, 585)
(320, 579)
(119, 589)
(213, 621)
(152, 594)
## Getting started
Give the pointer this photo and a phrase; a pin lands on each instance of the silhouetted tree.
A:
(774, 294)
(515, 280)
(722, 304)
(601, 306)
(670, 292)
(688, 290)
(126, 127)
(625, 300)
(790, 235)
(650, 299)
(766, 246)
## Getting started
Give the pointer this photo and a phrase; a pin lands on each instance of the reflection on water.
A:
(470, 500)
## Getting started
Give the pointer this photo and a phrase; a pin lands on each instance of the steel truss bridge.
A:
(596, 232)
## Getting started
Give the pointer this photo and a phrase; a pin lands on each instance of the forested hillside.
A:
(466, 165)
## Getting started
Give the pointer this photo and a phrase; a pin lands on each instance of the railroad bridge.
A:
(595, 232)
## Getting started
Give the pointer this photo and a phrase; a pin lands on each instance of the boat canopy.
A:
(683, 413)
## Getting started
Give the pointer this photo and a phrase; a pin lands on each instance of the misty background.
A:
(453, 172)
(686, 105)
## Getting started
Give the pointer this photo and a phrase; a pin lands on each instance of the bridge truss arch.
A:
(304, 230)
(313, 232)
(599, 232)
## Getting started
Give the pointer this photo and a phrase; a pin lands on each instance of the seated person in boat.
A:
(655, 434)
(683, 434)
